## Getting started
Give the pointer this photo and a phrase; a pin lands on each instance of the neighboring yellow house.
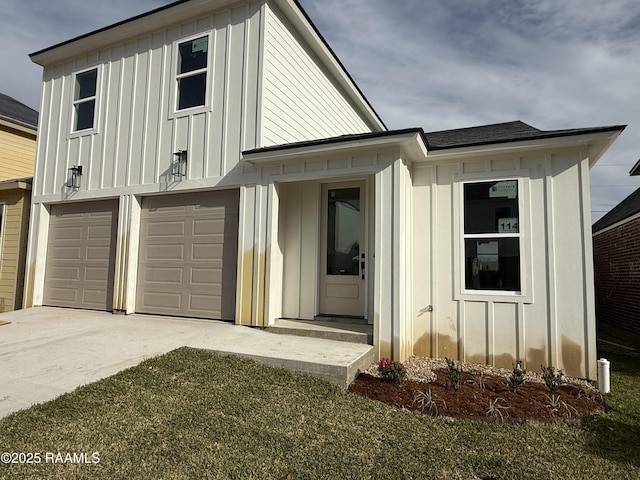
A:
(18, 127)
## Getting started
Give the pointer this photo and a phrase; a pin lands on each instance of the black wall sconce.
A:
(179, 164)
(74, 177)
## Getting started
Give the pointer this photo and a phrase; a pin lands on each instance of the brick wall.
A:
(617, 276)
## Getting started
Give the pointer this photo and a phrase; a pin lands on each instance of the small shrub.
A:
(428, 400)
(455, 373)
(392, 371)
(496, 411)
(556, 405)
(552, 378)
(517, 378)
(478, 378)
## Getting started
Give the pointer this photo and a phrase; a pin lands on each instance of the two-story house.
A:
(214, 159)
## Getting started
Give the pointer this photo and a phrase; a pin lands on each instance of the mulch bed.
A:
(533, 400)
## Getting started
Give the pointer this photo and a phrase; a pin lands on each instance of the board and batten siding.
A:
(300, 101)
(136, 130)
(17, 153)
(553, 323)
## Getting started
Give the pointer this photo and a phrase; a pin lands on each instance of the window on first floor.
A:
(492, 236)
(84, 100)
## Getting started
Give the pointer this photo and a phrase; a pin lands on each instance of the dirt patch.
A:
(489, 398)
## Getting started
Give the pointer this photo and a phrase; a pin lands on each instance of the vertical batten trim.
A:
(491, 317)
(145, 112)
(259, 136)
(225, 95)
(590, 353)
(520, 346)
(118, 120)
(434, 264)
(132, 118)
(552, 354)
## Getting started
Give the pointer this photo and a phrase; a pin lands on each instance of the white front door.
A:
(343, 249)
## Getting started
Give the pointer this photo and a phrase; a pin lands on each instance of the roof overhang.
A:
(595, 143)
(21, 184)
(183, 10)
(411, 144)
(19, 126)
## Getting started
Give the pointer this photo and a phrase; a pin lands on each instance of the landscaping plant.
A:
(517, 377)
(455, 373)
(392, 371)
(428, 400)
(495, 409)
(552, 378)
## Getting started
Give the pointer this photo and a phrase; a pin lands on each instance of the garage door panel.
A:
(206, 276)
(204, 249)
(81, 255)
(65, 253)
(64, 273)
(94, 297)
(99, 233)
(96, 274)
(205, 303)
(209, 227)
(164, 229)
(207, 252)
(164, 275)
(162, 302)
(68, 233)
(68, 295)
(97, 253)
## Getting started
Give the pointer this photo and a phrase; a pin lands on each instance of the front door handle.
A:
(362, 265)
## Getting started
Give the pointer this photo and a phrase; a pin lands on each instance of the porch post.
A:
(392, 280)
(383, 261)
(274, 259)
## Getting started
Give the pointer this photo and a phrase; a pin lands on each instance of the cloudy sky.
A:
(436, 64)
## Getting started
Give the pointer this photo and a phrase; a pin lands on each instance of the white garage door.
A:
(188, 255)
(81, 255)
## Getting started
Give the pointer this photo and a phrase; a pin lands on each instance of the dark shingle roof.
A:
(501, 133)
(15, 112)
(626, 208)
(636, 169)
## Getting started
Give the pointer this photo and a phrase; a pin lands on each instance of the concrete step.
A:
(336, 319)
(339, 368)
(329, 330)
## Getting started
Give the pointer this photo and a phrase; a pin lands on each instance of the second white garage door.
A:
(188, 255)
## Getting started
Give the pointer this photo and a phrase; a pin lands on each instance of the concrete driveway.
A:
(46, 351)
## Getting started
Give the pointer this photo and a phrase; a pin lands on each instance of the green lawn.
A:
(192, 414)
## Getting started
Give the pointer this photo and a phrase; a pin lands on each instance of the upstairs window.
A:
(492, 236)
(191, 78)
(84, 100)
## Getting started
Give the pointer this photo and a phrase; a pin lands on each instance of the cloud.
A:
(435, 64)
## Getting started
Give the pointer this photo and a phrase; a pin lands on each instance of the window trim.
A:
(174, 111)
(95, 98)
(525, 294)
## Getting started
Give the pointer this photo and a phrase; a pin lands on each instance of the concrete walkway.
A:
(48, 351)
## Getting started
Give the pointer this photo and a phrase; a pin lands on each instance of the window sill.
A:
(83, 133)
(497, 296)
(187, 112)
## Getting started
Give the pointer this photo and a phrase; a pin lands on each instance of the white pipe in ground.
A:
(604, 382)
